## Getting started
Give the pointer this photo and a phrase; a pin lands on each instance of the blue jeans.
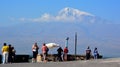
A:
(95, 56)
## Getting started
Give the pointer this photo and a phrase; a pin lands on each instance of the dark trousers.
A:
(10, 58)
(59, 57)
(87, 56)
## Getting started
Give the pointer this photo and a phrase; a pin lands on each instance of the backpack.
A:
(47, 49)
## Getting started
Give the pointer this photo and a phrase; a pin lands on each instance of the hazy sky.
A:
(16, 12)
(14, 9)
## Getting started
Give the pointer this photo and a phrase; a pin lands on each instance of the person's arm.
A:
(32, 47)
(37, 47)
(2, 50)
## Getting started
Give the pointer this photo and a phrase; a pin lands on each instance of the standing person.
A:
(44, 50)
(10, 54)
(65, 53)
(88, 53)
(47, 51)
(59, 50)
(13, 54)
(96, 54)
(5, 50)
(35, 51)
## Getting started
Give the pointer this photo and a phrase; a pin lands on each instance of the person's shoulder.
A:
(6, 46)
(42, 46)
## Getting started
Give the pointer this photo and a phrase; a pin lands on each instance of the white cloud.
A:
(44, 18)
(22, 19)
(64, 15)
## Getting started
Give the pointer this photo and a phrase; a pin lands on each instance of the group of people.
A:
(64, 52)
(8, 53)
(89, 53)
(35, 49)
(61, 52)
(45, 50)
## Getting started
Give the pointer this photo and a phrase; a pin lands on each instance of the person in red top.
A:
(44, 50)
(65, 53)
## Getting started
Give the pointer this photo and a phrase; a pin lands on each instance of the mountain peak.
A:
(66, 14)
(73, 12)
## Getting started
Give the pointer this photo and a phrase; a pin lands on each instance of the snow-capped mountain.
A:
(66, 14)
(73, 12)
(50, 28)
(75, 15)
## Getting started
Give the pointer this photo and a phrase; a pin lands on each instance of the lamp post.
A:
(67, 41)
(75, 43)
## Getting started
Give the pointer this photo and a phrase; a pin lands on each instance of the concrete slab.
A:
(114, 62)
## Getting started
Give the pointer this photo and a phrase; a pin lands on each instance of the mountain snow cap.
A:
(73, 12)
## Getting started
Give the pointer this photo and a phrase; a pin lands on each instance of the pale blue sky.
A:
(106, 9)
(12, 11)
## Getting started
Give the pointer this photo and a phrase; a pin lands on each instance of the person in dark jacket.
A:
(60, 51)
(10, 54)
(88, 53)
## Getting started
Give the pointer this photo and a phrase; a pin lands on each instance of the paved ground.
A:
(114, 62)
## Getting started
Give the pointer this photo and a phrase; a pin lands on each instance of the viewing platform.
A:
(51, 57)
(110, 62)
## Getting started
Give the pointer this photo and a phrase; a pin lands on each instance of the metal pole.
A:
(75, 43)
